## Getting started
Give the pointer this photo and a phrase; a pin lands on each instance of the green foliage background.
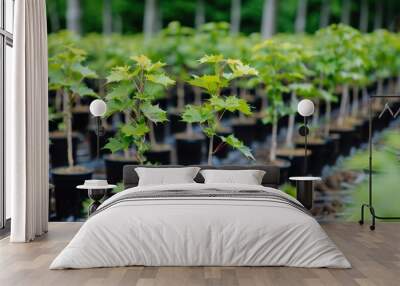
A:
(130, 13)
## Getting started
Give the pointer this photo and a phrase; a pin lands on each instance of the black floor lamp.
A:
(305, 108)
(98, 108)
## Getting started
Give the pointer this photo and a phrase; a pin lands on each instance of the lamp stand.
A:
(99, 132)
(303, 131)
(305, 145)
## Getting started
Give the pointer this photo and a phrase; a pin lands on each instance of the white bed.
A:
(202, 231)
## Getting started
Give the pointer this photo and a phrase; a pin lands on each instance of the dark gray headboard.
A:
(271, 177)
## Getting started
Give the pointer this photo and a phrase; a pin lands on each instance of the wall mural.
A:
(203, 96)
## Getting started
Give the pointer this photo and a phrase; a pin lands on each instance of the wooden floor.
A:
(375, 257)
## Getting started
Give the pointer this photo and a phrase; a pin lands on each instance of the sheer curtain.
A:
(27, 124)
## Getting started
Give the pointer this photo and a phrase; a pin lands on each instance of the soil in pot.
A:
(244, 129)
(68, 198)
(58, 148)
(189, 148)
(159, 154)
(80, 118)
(319, 153)
(296, 158)
(108, 133)
(176, 125)
(114, 166)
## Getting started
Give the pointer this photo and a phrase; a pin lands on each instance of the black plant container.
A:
(68, 198)
(262, 131)
(283, 122)
(333, 148)
(244, 130)
(257, 104)
(53, 124)
(160, 156)
(58, 149)
(80, 119)
(189, 149)
(296, 167)
(160, 132)
(108, 133)
(284, 167)
(347, 139)
(114, 165)
(319, 155)
(176, 125)
(365, 130)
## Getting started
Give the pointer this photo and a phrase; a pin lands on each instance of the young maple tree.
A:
(133, 90)
(210, 112)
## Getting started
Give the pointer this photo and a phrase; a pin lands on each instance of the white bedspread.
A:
(200, 231)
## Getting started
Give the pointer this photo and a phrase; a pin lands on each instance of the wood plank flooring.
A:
(375, 257)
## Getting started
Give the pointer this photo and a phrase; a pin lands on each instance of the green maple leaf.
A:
(230, 103)
(156, 66)
(160, 79)
(211, 83)
(143, 61)
(211, 59)
(154, 112)
(235, 143)
(196, 114)
(82, 90)
(121, 91)
(135, 129)
(241, 70)
(115, 145)
(234, 103)
(84, 71)
(119, 74)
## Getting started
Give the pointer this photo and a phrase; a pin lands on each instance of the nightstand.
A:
(97, 189)
(305, 190)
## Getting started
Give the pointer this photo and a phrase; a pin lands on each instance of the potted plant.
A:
(174, 44)
(66, 75)
(279, 65)
(342, 46)
(133, 90)
(210, 112)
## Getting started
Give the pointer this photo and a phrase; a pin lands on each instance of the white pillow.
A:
(166, 176)
(247, 177)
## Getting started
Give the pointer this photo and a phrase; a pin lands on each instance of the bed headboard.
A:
(270, 179)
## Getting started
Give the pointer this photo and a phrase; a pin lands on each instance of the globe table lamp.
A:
(98, 108)
(305, 108)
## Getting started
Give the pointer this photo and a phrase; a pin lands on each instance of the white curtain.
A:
(27, 124)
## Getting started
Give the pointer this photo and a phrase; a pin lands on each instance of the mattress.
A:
(201, 225)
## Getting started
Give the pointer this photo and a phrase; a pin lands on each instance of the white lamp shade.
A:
(98, 107)
(305, 107)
